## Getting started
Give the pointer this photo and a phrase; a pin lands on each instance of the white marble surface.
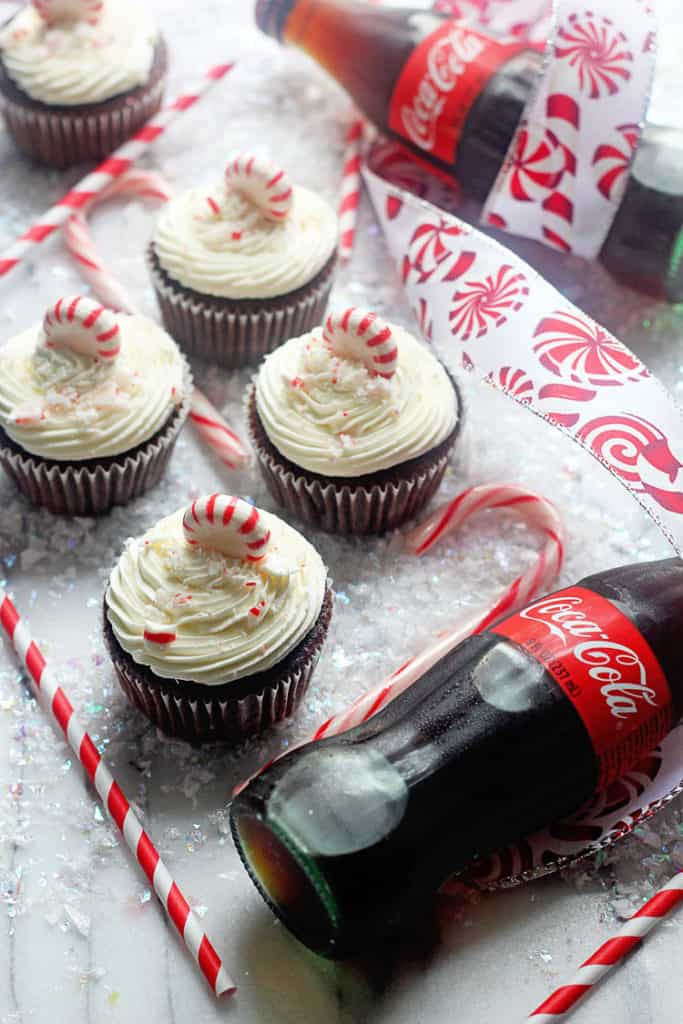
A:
(80, 937)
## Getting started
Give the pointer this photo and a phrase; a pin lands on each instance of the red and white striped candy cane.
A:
(351, 188)
(537, 512)
(222, 522)
(358, 334)
(563, 1000)
(113, 167)
(82, 325)
(262, 182)
(54, 699)
(205, 418)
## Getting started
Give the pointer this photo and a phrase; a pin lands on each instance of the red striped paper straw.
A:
(53, 697)
(114, 166)
(351, 188)
(537, 512)
(566, 997)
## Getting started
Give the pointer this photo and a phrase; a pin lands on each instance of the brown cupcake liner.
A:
(93, 489)
(61, 137)
(342, 506)
(238, 334)
(203, 714)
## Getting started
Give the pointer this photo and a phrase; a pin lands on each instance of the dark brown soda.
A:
(365, 48)
(347, 838)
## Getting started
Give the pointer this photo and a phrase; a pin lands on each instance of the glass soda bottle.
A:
(517, 727)
(460, 118)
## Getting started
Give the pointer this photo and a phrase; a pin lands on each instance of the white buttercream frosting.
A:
(60, 404)
(237, 253)
(74, 62)
(229, 619)
(331, 416)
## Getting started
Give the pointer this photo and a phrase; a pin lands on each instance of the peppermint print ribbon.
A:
(567, 167)
(488, 311)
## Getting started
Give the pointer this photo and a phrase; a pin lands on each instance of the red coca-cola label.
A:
(605, 667)
(439, 83)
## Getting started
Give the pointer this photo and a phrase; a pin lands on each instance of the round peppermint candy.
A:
(357, 334)
(54, 11)
(82, 325)
(261, 182)
(228, 525)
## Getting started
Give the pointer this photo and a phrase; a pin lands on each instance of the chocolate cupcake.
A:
(215, 618)
(240, 269)
(79, 77)
(91, 405)
(353, 424)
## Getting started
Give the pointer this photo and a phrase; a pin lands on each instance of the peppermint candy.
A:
(261, 182)
(357, 334)
(228, 525)
(55, 11)
(82, 325)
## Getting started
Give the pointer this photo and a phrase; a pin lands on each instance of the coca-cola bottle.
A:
(454, 96)
(346, 838)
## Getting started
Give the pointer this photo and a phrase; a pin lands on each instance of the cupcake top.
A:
(255, 236)
(215, 592)
(69, 52)
(88, 384)
(354, 397)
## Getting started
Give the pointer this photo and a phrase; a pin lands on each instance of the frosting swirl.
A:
(232, 251)
(228, 619)
(65, 405)
(74, 62)
(331, 416)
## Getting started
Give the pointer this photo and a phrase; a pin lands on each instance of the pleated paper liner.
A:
(95, 486)
(62, 135)
(372, 504)
(201, 714)
(238, 332)
(612, 814)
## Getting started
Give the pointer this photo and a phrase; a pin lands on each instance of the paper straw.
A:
(54, 699)
(537, 512)
(351, 188)
(563, 1000)
(211, 427)
(113, 167)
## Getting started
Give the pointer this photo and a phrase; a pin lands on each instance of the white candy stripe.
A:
(48, 686)
(193, 935)
(162, 882)
(103, 781)
(21, 640)
(116, 164)
(132, 830)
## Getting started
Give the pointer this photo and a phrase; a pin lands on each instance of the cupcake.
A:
(239, 271)
(79, 77)
(215, 618)
(353, 424)
(90, 407)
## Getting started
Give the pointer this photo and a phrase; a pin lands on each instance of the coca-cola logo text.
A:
(446, 62)
(618, 669)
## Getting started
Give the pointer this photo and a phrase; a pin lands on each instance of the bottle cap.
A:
(271, 15)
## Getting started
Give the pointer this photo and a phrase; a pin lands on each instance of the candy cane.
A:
(55, 700)
(221, 522)
(54, 11)
(357, 334)
(566, 997)
(261, 182)
(205, 418)
(113, 167)
(537, 512)
(83, 326)
(351, 188)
